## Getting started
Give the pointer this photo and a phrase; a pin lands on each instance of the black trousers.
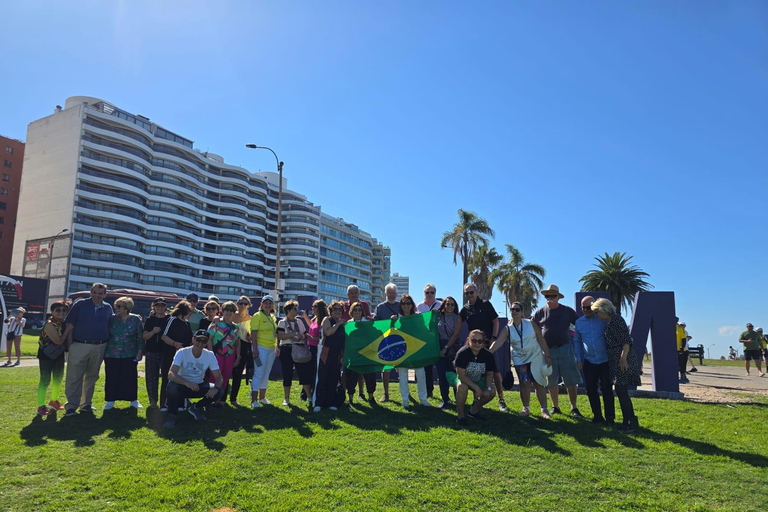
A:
(430, 376)
(246, 361)
(682, 362)
(351, 378)
(627, 409)
(328, 374)
(178, 392)
(594, 373)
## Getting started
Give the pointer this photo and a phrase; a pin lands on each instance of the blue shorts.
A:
(564, 365)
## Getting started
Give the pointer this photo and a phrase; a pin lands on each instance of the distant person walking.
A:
(752, 341)
(682, 351)
(16, 324)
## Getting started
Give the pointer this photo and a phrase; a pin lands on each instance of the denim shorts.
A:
(564, 365)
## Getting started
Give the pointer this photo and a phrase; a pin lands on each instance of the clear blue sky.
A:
(573, 129)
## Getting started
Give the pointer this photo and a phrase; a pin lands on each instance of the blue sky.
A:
(573, 129)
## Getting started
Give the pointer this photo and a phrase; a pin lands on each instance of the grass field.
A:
(686, 457)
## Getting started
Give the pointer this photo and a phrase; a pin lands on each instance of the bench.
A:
(697, 351)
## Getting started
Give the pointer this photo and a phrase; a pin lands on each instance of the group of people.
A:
(192, 353)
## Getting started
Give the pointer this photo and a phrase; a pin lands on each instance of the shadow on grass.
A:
(82, 428)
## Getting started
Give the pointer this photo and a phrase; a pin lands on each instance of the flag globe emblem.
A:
(392, 348)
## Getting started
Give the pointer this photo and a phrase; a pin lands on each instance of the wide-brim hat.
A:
(539, 369)
(552, 288)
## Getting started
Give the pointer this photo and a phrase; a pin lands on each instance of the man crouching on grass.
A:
(475, 366)
(186, 379)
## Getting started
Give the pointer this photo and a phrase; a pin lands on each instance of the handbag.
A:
(301, 353)
(54, 351)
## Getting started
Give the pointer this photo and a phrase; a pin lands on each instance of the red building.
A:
(12, 156)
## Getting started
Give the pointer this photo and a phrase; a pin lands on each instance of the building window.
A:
(9, 150)
(6, 177)
(7, 163)
(2, 220)
(2, 205)
(3, 191)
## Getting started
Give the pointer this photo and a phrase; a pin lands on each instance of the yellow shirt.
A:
(265, 328)
(680, 337)
(244, 323)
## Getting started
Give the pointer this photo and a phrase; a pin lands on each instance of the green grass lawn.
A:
(686, 457)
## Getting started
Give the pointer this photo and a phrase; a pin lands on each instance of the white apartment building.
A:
(402, 283)
(144, 209)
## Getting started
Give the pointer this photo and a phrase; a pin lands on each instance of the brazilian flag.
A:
(407, 342)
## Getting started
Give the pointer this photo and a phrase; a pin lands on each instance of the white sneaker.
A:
(762, 374)
(425, 403)
(109, 405)
(264, 401)
(317, 409)
(287, 402)
(255, 404)
(333, 408)
(136, 405)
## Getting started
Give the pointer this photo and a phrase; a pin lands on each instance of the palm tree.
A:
(519, 280)
(466, 236)
(481, 264)
(615, 276)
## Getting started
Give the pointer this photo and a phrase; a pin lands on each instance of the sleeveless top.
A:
(522, 342)
(335, 340)
(314, 334)
(44, 340)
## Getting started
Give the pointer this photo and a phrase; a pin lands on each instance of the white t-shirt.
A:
(423, 308)
(192, 368)
(17, 326)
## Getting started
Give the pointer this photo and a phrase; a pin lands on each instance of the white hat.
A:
(539, 369)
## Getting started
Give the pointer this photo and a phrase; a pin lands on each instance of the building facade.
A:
(144, 209)
(381, 266)
(12, 152)
(402, 282)
(345, 258)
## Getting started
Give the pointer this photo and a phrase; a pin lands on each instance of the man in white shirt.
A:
(186, 379)
(429, 304)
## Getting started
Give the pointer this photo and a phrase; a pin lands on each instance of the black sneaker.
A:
(88, 408)
(70, 412)
(555, 410)
(170, 421)
(598, 419)
(576, 413)
(196, 413)
(462, 422)
(475, 415)
(693, 370)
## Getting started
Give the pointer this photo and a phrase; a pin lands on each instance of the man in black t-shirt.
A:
(480, 314)
(555, 320)
(387, 310)
(475, 367)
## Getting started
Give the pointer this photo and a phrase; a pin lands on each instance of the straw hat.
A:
(539, 369)
(552, 289)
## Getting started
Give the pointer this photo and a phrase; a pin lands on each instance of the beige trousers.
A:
(83, 365)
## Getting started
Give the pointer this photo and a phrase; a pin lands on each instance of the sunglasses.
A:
(230, 311)
(337, 309)
(476, 341)
(119, 306)
(516, 310)
(201, 340)
(430, 292)
(550, 296)
(243, 304)
(59, 310)
(407, 303)
(357, 309)
(211, 308)
(469, 293)
(450, 304)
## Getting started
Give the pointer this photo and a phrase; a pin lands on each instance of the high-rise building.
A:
(12, 152)
(402, 282)
(381, 265)
(345, 258)
(142, 208)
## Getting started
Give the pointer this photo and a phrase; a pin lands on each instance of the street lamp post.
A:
(709, 347)
(279, 212)
(50, 264)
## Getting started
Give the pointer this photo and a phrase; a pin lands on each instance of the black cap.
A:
(201, 333)
(192, 296)
(159, 300)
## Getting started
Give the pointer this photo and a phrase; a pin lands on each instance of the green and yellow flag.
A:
(407, 342)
